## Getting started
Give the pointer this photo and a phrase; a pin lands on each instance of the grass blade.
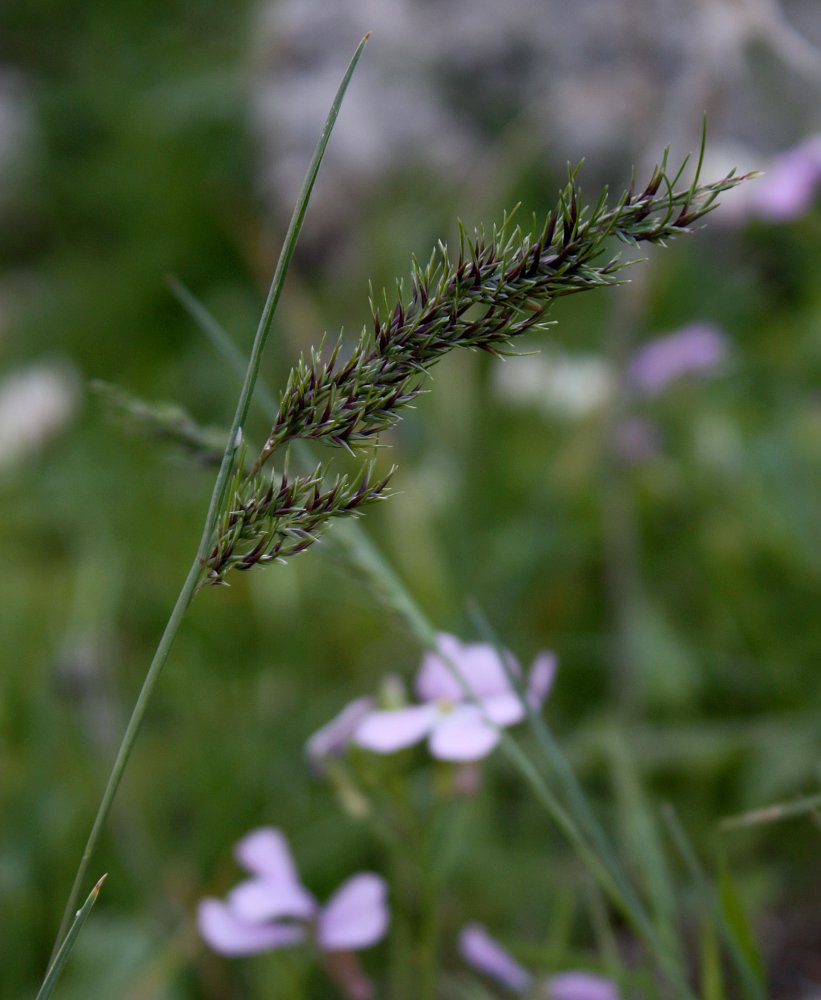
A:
(69, 941)
(195, 573)
(728, 925)
(774, 813)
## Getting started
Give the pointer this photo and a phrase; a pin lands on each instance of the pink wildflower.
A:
(694, 350)
(334, 736)
(460, 720)
(788, 188)
(480, 950)
(272, 909)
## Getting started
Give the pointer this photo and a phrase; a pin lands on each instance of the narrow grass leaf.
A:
(215, 507)
(749, 972)
(712, 981)
(642, 833)
(69, 941)
(807, 805)
(734, 913)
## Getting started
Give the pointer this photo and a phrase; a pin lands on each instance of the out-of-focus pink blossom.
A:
(481, 951)
(461, 720)
(334, 736)
(694, 350)
(579, 986)
(272, 909)
(789, 185)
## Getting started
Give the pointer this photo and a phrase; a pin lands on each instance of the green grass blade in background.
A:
(643, 837)
(712, 980)
(808, 805)
(726, 909)
(736, 918)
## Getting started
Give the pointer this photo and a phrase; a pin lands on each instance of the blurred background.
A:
(654, 519)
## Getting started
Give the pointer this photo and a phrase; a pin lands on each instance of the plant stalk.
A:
(196, 572)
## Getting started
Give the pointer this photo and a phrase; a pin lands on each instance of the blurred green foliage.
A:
(143, 167)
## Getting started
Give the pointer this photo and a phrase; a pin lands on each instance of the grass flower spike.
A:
(495, 288)
(457, 727)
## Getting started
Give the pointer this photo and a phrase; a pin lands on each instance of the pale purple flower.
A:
(694, 350)
(788, 188)
(460, 720)
(579, 986)
(481, 951)
(334, 736)
(272, 909)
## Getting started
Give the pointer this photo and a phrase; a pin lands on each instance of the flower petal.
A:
(356, 916)
(477, 663)
(391, 730)
(580, 986)
(335, 735)
(265, 852)
(435, 681)
(503, 709)
(507, 708)
(462, 734)
(259, 899)
(226, 933)
(542, 675)
(479, 949)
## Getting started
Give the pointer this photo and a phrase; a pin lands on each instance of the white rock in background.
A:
(35, 405)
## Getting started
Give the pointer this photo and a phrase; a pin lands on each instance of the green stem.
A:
(269, 309)
(195, 573)
(134, 723)
(428, 935)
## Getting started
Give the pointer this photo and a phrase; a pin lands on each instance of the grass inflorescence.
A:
(497, 288)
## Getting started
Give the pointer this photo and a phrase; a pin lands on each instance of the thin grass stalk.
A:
(776, 813)
(647, 844)
(749, 980)
(196, 571)
(561, 766)
(603, 930)
(132, 730)
(629, 905)
(617, 885)
(211, 327)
